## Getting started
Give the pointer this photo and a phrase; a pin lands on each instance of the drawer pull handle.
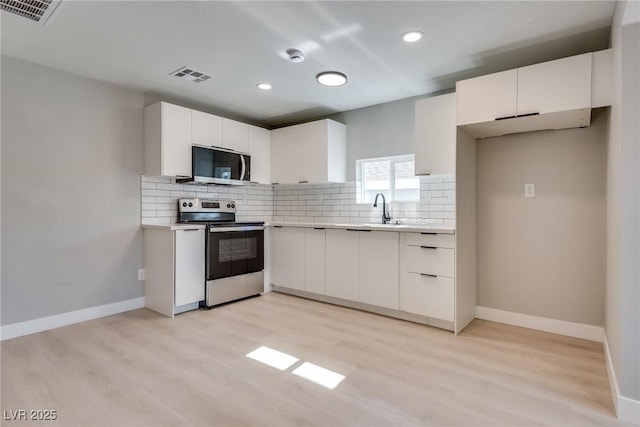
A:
(428, 275)
(352, 229)
(429, 234)
(318, 228)
(428, 247)
(277, 226)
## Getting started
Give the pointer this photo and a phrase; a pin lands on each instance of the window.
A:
(392, 176)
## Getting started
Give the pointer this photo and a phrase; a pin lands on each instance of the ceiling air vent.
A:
(34, 10)
(186, 73)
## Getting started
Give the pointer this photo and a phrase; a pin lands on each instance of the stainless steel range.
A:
(234, 250)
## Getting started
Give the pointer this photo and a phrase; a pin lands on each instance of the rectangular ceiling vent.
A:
(34, 10)
(187, 73)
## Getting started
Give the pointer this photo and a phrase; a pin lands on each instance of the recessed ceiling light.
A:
(264, 86)
(412, 36)
(331, 78)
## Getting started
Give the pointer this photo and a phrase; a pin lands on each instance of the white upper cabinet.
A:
(260, 152)
(206, 129)
(435, 135)
(167, 140)
(486, 98)
(235, 135)
(170, 131)
(550, 95)
(561, 85)
(314, 152)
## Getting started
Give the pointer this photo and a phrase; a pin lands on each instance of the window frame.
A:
(360, 196)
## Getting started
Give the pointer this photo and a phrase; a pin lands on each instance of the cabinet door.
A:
(260, 152)
(561, 85)
(206, 129)
(312, 141)
(486, 98)
(342, 258)
(189, 266)
(235, 135)
(435, 135)
(379, 268)
(284, 156)
(428, 296)
(176, 140)
(315, 263)
(288, 257)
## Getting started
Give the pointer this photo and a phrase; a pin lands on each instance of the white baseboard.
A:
(19, 329)
(627, 410)
(571, 329)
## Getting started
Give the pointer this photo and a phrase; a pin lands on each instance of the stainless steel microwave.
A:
(211, 165)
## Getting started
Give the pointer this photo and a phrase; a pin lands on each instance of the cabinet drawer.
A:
(427, 296)
(427, 239)
(430, 260)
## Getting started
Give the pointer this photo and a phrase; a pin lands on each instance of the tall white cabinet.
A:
(435, 135)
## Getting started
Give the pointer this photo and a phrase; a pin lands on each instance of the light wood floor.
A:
(142, 369)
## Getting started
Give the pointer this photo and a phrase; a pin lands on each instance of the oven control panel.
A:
(206, 205)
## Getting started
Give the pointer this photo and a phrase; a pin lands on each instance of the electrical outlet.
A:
(529, 190)
(141, 274)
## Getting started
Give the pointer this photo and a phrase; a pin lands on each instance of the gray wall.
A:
(378, 131)
(622, 322)
(71, 164)
(560, 272)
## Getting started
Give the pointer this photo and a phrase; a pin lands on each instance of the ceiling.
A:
(138, 43)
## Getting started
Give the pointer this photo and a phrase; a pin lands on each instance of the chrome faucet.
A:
(385, 215)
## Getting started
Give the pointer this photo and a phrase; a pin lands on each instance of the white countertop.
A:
(175, 226)
(419, 228)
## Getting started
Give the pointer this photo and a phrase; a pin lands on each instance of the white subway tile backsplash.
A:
(301, 202)
(337, 203)
(160, 197)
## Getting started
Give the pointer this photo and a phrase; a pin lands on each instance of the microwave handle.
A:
(244, 167)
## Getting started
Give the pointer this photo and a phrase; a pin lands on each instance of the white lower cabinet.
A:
(379, 268)
(342, 264)
(315, 260)
(409, 275)
(288, 259)
(428, 295)
(189, 266)
(427, 275)
(175, 269)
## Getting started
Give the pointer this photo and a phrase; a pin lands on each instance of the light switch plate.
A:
(529, 190)
(141, 274)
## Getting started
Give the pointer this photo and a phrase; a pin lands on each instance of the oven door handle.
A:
(228, 229)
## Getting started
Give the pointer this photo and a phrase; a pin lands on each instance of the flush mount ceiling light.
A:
(331, 78)
(412, 36)
(264, 86)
